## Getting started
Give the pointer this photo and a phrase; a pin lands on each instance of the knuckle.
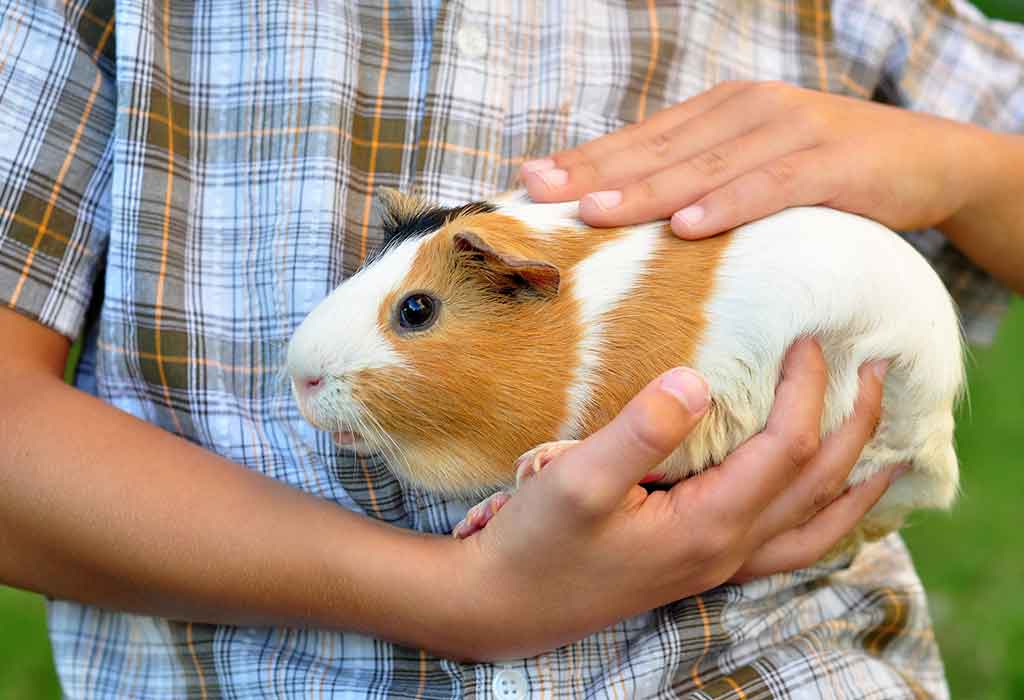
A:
(809, 117)
(570, 159)
(727, 198)
(774, 92)
(584, 170)
(658, 146)
(782, 173)
(826, 495)
(802, 447)
(575, 496)
(644, 190)
(710, 163)
(719, 542)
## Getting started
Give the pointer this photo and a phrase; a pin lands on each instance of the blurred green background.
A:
(971, 561)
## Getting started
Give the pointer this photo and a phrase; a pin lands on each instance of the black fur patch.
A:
(406, 225)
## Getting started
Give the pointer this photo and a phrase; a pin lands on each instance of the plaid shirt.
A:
(185, 184)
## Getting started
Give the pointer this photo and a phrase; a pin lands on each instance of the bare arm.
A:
(100, 507)
(989, 228)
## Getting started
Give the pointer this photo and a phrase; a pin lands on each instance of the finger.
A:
(698, 140)
(801, 178)
(647, 196)
(803, 546)
(596, 474)
(758, 470)
(825, 476)
(548, 179)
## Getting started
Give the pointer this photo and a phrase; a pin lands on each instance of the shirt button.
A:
(510, 684)
(472, 41)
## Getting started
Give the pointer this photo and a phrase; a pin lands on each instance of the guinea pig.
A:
(478, 332)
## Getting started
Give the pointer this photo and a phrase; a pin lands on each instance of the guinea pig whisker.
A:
(369, 426)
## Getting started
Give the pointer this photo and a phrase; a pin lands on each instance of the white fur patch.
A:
(341, 336)
(541, 218)
(599, 283)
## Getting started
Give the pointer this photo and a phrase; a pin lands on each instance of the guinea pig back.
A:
(480, 331)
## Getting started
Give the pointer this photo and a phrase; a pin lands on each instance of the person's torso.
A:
(243, 193)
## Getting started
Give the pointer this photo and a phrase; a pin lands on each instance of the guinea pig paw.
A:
(539, 457)
(480, 514)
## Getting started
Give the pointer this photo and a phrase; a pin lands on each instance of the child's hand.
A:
(581, 545)
(744, 150)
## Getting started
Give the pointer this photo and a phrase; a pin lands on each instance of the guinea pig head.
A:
(450, 352)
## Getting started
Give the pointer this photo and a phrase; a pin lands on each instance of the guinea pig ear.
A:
(507, 273)
(398, 207)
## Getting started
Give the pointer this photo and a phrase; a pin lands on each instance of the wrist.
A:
(404, 587)
(974, 158)
(987, 227)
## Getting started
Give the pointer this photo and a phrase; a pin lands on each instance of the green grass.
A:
(1005, 9)
(26, 669)
(972, 561)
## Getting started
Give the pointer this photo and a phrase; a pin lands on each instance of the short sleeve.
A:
(56, 126)
(949, 59)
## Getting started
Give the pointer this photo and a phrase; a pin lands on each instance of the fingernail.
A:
(608, 199)
(535, 166)
(690, 216)
(553, 178)
(898, 472)
(879, 368)
(689, 387)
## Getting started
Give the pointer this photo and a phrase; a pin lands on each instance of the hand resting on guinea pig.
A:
(479, 332)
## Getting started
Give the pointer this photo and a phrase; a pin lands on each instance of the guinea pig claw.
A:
(539, 457)
(480, 514)
(527, 466)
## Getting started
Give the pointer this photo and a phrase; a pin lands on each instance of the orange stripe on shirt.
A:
(166, 236)
(706, 623)
(820, 17)
(377, 114)
(641, 106)
(736, 688)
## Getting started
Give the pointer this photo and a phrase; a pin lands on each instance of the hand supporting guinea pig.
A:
(744, 150)
(584, 525)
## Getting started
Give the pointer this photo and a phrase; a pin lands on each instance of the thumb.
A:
(614, 459)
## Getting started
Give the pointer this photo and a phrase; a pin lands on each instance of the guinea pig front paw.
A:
(480, 514)
(539, 457)
(526, 466)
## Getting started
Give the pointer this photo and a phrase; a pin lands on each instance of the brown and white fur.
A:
(546, 328)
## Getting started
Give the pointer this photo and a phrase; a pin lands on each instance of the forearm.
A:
(989, 229)
(103, 508)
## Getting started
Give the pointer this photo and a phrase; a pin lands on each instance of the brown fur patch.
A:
(659, 326)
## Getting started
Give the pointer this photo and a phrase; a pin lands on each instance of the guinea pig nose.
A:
(310, 384)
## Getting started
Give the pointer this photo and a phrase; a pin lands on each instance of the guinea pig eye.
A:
(417, 311)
